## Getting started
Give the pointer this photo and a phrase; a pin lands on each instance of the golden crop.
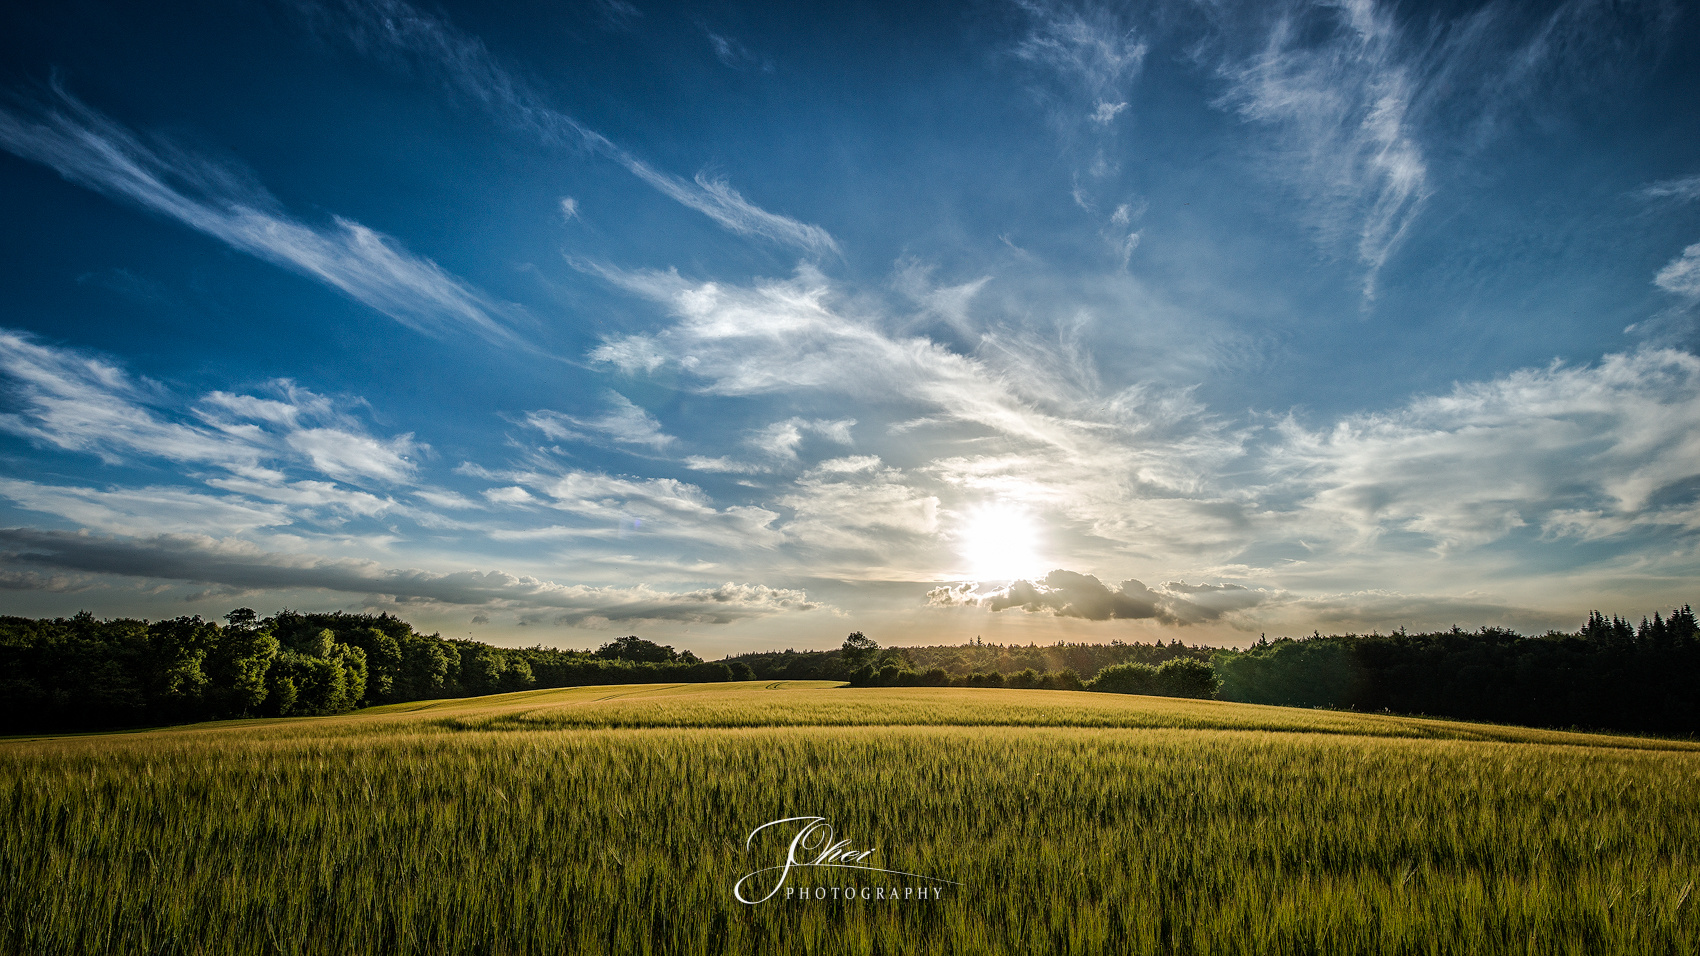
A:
(612, 820)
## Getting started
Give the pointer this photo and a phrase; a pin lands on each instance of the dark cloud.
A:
(28, 558)
(1071, 594)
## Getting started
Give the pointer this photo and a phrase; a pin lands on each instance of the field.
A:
(613, 820)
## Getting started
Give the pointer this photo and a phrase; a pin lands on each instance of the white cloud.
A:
(446, 500)
(350, 457)
(951, 303)
(786, 335)
(1362, 97)
(1022, 418)
(322, 495)
(716, 199)
(858, 503)
(724, 465)
(592, 493)
(665, 508)
(1682, 274)
(1686, 189)
(1586, 451)
(87, 148)
(569, 208)
(1093, 56)
(146, 510)
(1106, 112)
(624, 423)
(631, 353)
(781, 439)
(80, 403)
(512, 495)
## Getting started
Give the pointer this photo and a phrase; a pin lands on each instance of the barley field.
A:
(614, 820)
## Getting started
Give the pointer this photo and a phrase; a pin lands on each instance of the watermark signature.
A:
(813, 847)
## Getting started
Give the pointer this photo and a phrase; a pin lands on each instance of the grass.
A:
(612, 820)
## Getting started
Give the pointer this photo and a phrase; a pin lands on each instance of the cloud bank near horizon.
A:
(64, 561)
(1071, 594)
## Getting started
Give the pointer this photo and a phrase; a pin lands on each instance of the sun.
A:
(1000, 542)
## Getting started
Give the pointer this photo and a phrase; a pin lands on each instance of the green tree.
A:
(424, 670)
(355, 675)
(859, 649)
(383, 661)
(636, 649)
(175, 679)
(283, 683)
(1185, 677)
(236, 665)
(1130, 678)
(480, 668)
(515, 674)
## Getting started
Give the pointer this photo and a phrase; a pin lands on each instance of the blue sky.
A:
(744, 326)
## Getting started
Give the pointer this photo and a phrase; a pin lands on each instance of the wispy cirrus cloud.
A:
(791, 335)
(1086, 46)
(1334, 80)
(89, 149)
(1092, 57)
(1685, 189)
(618, 14)
(781, 439)
(716, 199)
(623, 422)
(858, 504)
(1682, 274)
(238, 564)
(724, 464)
(1362, 96)
(601, 505)
(735, 55)
(394, 30)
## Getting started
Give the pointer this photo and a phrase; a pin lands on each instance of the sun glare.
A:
(1000, 542)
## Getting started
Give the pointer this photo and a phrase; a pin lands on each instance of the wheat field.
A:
(614, 820)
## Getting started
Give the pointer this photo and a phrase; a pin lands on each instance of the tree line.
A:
(975, 659)
(1181, 672)
(1610, 675)
(80, 673)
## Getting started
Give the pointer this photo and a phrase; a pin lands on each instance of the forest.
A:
(80, 673)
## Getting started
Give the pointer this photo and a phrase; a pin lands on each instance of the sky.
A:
(744, 326)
